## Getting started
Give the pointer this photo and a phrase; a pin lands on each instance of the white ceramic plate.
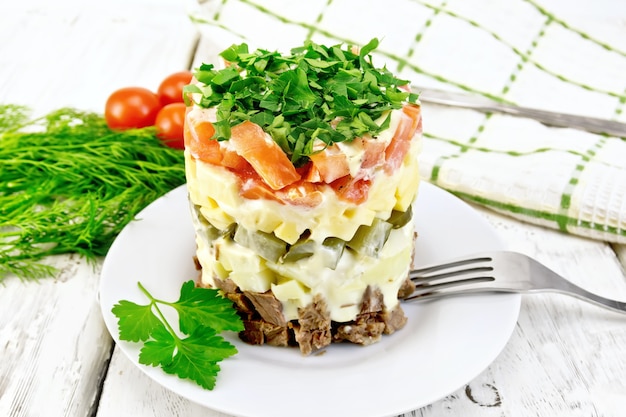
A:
(444, 345)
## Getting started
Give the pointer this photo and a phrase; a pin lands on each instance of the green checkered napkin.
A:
(558, 55)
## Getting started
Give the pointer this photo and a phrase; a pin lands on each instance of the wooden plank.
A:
(53, 343)
(128, 391)
(77, 53)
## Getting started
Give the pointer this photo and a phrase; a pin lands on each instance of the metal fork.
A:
(498, 272)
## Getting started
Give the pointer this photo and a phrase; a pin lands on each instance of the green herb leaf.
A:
(159, 350)
(203, 314)
(69, 184)
(205, 307)
(194, 361)
(314, 84)
(136, 322)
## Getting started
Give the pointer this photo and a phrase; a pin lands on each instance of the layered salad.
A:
(301, 170)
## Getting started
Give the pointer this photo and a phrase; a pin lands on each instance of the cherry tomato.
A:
(171, 89)
(131, 107)
(170, 124)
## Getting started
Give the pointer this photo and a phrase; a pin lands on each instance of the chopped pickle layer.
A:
(339, 270)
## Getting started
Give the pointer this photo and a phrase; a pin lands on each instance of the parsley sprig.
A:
(203, 314)
(316, 92)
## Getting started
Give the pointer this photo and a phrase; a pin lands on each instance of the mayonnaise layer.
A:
(215, 192)
(295, 284)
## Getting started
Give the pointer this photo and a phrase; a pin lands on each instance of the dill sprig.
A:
(69, 184)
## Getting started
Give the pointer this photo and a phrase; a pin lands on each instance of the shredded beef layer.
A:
(264, 322)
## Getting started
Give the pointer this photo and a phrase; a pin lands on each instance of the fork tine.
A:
(453, 264)
(418, 278)
(517, 273)
(452, 292)
(446, 277)
(440, 288)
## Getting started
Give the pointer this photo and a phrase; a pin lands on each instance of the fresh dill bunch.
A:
(69, 184)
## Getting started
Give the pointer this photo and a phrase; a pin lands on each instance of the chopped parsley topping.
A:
(316, 92)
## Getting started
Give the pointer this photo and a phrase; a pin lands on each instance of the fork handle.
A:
(556, 283)
(585, 295)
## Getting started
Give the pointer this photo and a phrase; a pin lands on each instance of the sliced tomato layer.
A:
(268, 159)
(373, 152)
(331, 163)
(197, 133)
(401, 142)
(253, 189)
(267, 173)
(233, 161)
(352, 189)
(302, 193)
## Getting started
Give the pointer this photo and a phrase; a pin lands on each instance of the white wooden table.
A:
(565, 358)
